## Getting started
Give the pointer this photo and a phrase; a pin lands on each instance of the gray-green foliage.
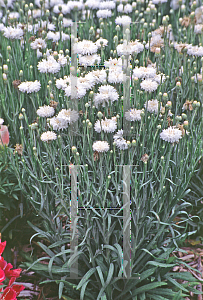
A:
(157, 192)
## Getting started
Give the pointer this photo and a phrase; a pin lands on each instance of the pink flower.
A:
(4, 135)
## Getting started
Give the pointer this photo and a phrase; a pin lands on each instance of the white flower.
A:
(195, 50)
(129, 48)
(39, 53)
(107, 5)
(199, 14)
(67, 22)
(152, 106)
(121, 144)
(80, 91)
(49, 65)
(128, 8)
(120, 141)
(120, 8)
(133, 114)
(55, 36)
(175, 4)
(124, 20)
(155, 40)
(61, 83)
(159, 78)
(58, 123)
(85, 47)
(75, 4)
(44, 25)
(36, 13)
(100, 146)
(106, 93)
(136, 46)
(48, 136)
(115, 77)
(144, 72)
(104, 13)
(62, 60)
(118, 135)
(86, 82)
(38, 44)
(68, 115)
(92, 4)
(13, 33)
(30, 86)
(107, 125)
(89, 60)
(1, 121)
(9, 3)
(65, 9)
(2, 27)
(124, 49)
(198, 29)
(113, 63)
(149, 85)
(99, 75)
(103, 41)
(171, 135)
(159, 1)
(13, 15)
(45, 111)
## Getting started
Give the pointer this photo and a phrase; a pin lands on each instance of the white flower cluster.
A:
(29, 86)
(171, 135)
(107, 125)
(100, 146)
(106, 93)
(49, 65)
(133, 114)
(45, 111)
(63, 119)
(48, 136)
(120, 141)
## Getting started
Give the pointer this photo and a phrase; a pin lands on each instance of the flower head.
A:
(49, 65)
(29, 86)
(100, 146)
(85, 47)
(45, 111)
(48, 136)
(149, 85)
(171, 135)
(38, 44)
(133, 114)
(152, 106)
(107, 125)
(68, 115)
(106, 93)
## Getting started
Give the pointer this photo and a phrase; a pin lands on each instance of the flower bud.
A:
(99, 114)
(74, 149)
(20, 117)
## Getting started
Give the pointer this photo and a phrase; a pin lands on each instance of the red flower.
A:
(3, 263)
(18, 288)
(12, 273)
(2, 275)
(8, 294)
(2, 247)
